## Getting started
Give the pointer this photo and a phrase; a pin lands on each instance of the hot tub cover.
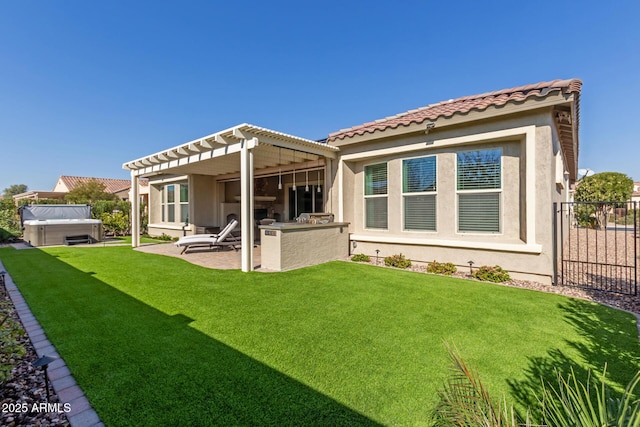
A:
(46, 212)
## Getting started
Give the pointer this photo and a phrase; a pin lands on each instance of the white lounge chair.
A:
(224, 238)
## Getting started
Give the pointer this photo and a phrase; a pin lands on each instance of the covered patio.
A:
(236, 155)
(220, 260)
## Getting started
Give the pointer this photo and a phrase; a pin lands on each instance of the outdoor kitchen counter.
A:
(287, 246)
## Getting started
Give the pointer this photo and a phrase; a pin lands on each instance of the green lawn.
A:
(157, 341)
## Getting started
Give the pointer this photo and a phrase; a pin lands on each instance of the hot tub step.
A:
(72, 240)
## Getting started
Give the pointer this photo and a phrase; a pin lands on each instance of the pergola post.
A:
(246, 204)
(135, 210)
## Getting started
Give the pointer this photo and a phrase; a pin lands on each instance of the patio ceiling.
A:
(219, 153)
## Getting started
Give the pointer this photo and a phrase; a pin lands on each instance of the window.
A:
(479, 185)
(375, 195)
(418, 193)
(171, 203)
(301, 201)
(184, 203)
(174, 201)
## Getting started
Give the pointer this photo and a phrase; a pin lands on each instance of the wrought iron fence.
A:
(597, 245)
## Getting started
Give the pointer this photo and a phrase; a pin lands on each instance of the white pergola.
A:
(241, 149)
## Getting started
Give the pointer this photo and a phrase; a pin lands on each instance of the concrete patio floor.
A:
(223, 259)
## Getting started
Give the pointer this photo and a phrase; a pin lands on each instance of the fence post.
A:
(555, 243)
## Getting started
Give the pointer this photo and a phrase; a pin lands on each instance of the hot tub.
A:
(47, 232)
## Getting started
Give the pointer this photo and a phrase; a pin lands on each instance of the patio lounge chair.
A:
(224, 238)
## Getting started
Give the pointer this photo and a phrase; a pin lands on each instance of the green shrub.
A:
(398, 261)
(9, 220)
(360, 258)
(446, 268)
(494, 274)
(116, 223)
(165, 237)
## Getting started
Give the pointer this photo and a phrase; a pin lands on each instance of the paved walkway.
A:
(224, 259)
(63, 383)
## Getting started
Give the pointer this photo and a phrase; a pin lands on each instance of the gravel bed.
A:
(26, 388)
(603, 259)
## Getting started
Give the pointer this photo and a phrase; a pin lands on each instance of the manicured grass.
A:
(157, 341)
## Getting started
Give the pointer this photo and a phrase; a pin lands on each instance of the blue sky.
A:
(86, 86)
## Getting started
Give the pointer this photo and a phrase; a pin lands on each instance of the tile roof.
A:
(112, 185)
(462, 105)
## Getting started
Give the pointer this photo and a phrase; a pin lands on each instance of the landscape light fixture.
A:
(2, 273)
(44, 362)
(470, 266)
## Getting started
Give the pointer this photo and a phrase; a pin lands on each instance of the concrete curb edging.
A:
(81, 413)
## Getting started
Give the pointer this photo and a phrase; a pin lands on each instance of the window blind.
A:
(479, 212)
(376, 212)
(375, 179)
(420, 212)
(479, 169)
(375, 191)
(419, 175)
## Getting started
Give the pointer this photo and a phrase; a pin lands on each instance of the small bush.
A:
(446, 268)
(360, 258)
(164, 237)
(494, 274)
(398, 261)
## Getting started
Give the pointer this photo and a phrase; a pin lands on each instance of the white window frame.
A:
(498, 191)
(374, 196)
(405, 195)
(177, 203)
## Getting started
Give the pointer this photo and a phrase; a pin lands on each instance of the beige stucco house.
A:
(469, 179)
(119, 187)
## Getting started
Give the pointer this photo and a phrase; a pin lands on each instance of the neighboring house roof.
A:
(112, 185)
(35, 195)
(462, 106)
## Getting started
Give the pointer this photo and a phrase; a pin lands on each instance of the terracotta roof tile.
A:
(462, 105)
(112, 185)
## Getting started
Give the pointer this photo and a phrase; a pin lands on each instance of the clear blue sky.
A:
(86, 86)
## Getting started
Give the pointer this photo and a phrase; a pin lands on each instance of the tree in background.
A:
(14, 189)
(9, 220)
(89, 192)
(605, 191)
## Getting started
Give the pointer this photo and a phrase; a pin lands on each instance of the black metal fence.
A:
(597, 245)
